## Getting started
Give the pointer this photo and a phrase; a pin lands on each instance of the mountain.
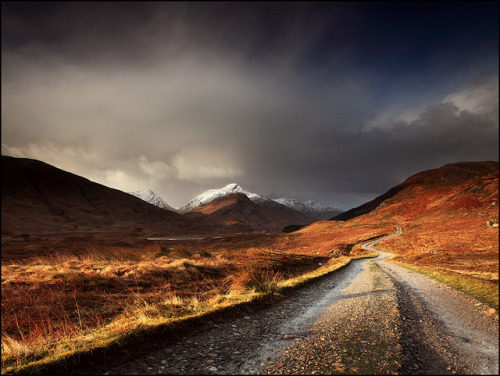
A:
(149, 196)
(237, 210)
(311, 209)
(280, 212)
(448, 190)
(449, 216)
(39, 198)
(314, 209)
(212, 194)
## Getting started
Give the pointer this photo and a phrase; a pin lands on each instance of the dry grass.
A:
(484, 290)
(68, 302)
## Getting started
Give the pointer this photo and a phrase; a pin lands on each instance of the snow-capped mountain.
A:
(307, 207)
(149, 196)
(213, 194)
(310, 207)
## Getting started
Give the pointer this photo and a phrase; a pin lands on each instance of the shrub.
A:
(181, 253)
(164, 251)
(205, 253)
(257, 280)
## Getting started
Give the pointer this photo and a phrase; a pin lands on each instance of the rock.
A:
(247, 317)
(212, 369)
(491, 311)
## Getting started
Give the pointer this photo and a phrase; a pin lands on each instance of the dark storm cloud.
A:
(329, 101)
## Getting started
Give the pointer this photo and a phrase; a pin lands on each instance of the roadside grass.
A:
(483, 290)
(462, 255)
(55, 307)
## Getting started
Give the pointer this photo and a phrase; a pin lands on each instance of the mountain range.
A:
(314, 209)
(238, 210)
(311, 209)
(38, 198)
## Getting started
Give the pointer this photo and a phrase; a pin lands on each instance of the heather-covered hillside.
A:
(449, 216)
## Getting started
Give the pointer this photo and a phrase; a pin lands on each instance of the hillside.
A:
(449, 216)
(38, 198)
(239, 211)
(465, 180)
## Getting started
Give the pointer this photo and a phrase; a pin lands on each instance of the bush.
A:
(257, 280)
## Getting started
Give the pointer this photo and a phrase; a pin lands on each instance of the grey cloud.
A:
(183, 97)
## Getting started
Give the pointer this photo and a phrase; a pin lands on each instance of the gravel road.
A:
(371, 317)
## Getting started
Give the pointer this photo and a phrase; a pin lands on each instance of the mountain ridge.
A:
(237, 210)
(149, 196)
(40, 198)
(312, 209)
(443, 177)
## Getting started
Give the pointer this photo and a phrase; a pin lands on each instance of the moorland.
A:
(79, 273)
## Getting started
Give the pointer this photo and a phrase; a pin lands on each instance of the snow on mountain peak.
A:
(212, 194)
(149, 196)
(310, 207)
(307, 207)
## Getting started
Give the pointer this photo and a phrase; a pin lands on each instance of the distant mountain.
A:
(149, 196)
(314, 209)
(236, 209)
(38, 198)
(291, 211)
(212, 194)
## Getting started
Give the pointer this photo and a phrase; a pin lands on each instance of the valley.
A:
(88, 270)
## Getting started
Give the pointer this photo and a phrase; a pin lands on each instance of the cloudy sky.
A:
(331, 101)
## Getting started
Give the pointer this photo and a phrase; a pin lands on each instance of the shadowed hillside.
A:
(39, 198)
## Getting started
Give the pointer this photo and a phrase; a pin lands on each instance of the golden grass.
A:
(69, 303)
(484, 290)
(57, 306)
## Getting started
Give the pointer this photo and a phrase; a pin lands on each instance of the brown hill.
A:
(442, 190)
(38, 198)
(449, 216)
(237, 210)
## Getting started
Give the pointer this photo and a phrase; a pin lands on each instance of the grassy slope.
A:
(56, 307)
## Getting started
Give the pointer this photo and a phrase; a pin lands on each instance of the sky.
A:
(331, 101)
